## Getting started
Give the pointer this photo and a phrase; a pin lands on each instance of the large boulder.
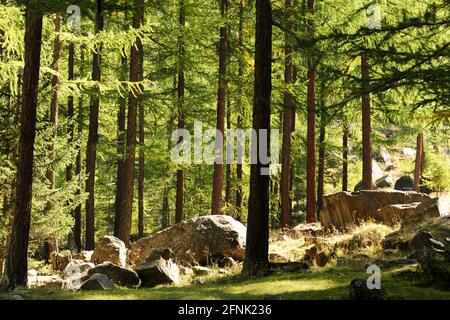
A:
(395, 213)
(344, 209)
(383, 156)
(83, 255)
(157, 272)
(110, 249)
(386, 181)
(45, 282)
(97, 282)
(121, 276)
(360, 291)
(196, 240)
(432, 208)
(60, 260)
(78, 267)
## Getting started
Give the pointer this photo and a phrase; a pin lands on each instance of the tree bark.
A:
(220, 125)
(141, 175)
(311, 215)
(419, 162)
(179, 198)
(91, 150)
(257, 246)
(241, 110)
(345, 158)
(123, 225)
(16, 263)
(366, 125)
(321, 173)
(288, 113)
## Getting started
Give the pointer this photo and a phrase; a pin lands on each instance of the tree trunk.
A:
(286, 209)
(179, 201)
(220, 125)
(257, 246)
(78, 166)
(241, 110)
(141, 176)
(91, 152)
(311, 208)
(345, 158)
(123, 224)
(228, 166)
(419, 162)
(16, 264)
(366, 125)
(321, 173)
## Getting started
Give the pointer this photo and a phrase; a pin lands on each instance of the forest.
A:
(182, 149)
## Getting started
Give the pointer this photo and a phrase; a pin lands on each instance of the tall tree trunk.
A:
(419, 162)
(220, 126)
(71, 129)
(16, 263)
(228, 165)
(123, 224)
(311, 208)
(241, 110)
(288, 114)
(321, 173)
(141, 176)
(345, 158)
(91, 150)
(78, 161)
(179, 201)
(121, 136)
(366, 125)
(257, 246)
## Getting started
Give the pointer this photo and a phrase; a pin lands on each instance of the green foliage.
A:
(437, 172)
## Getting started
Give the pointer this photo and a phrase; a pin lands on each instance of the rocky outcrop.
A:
(345, 209)
(45, 282)
(157, 272)
(198, 240)
(395, 213)
(121, 276)
(77, 267)
(83, 255)
(360, 291)
(97, 282)
(404, 183)
(110, 249)
(386, 181)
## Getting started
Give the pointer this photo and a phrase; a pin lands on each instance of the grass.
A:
(318, 284)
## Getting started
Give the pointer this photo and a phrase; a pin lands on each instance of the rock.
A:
(394, 241)
(425, 241)
(45, 282)
(11, 297)
(228, 262)
(199, 240)
(360, 291)
(386, 181)
(391, 263)
(186, 271)
(395, 213)
(344, 209)
(304, 229)
(411, 153)
(157, 272)
(404, 183)
(322, 259)
(32, 273)
(359, 187)
(97, 282)
(288, 267)
(78, 267)
(275, 257)
(60, 260)
(121, 276)
(223, 271)
(433, 208)
(377, 172)
(110, 249)
(83, 255)
(389, 252)
(201, 271)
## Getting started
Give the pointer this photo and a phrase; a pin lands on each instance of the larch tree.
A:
(257, 244)
(366, 125)
(220, 124)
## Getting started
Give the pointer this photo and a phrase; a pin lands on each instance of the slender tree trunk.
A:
(241, 110)
(91, 150)
(179, 201)
(366, 125)
(345, 158)
(257, 246)
(228, 165)
(419, 162)
(311, 207)
(220, 126)
(71, 129)
(121, 136)
(16, 263)
(141, 176)
(288, 113)
(123, 225)
(78, 163)
(321, 173)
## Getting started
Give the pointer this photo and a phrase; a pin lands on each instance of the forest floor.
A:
(351, 256)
